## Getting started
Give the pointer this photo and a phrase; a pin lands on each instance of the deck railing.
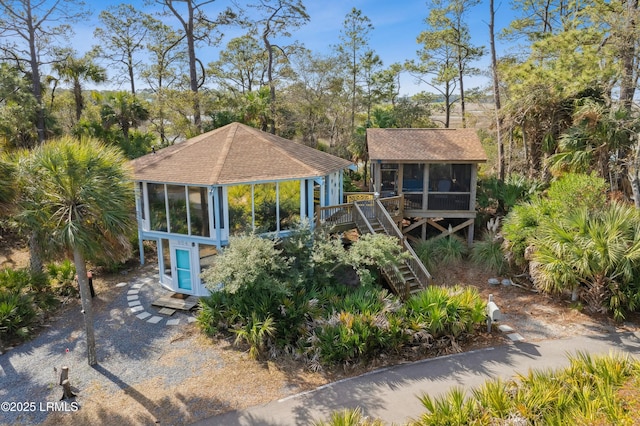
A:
(393, 205)
(341, 214)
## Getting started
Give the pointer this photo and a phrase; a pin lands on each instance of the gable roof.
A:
(425, 145)
(235, 153)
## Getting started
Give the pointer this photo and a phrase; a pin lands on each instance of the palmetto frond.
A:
(83, 198)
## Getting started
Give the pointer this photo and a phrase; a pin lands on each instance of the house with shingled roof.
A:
(434, 171)
(192, 196)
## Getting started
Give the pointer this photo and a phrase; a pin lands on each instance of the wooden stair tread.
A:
(173, 303)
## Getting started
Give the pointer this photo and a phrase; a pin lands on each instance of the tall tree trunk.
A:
(462, 102)
(447, 106)
(496, 91)
(131, 73)
(35, 80)
(35, 255)
(272, 88)
(87, 308)
(77, 93)
(628, 55)
(193, 73)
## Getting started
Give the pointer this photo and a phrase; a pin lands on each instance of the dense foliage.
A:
(304, 298)
(25, 298)
(571, 238)
(589, 391)
(563, 197)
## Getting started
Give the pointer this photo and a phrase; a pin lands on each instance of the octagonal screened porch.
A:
(192, 196)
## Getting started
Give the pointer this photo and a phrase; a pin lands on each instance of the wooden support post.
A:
(66, 390)
(64, 374)
(66, 384)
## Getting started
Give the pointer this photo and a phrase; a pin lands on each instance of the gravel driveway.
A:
(131, 351)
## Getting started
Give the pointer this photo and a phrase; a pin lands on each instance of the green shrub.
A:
(574, 191)
(62, 278)
(487, 253)
(348, 337)
(436, 253)
(247, 261)
(566, 195)
(17, 314)
(23, 297)
(519, 227)
(586, 392)
(596, 255)
(501, 196)
(255, 333)
(273, 304)
(445, 311)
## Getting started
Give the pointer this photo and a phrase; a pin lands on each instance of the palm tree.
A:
(124, 110)
(75, 70)
(83, 201)
(598, 252)
(599, 139)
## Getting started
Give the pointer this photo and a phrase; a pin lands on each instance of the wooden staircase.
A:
(411, 276)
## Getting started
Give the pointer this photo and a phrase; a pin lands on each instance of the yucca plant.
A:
(487, 253)
(255, 333)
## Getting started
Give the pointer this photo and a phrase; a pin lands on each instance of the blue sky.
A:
(396, 26)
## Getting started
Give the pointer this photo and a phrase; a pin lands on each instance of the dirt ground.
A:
(242, 382)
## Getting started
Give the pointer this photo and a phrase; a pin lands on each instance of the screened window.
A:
(157, 207)
(289, 198)
(177, 209)
(240, 209)
(389, 180)
(199, 211)
(413, 178)
(207, 256)
(265, 205)
(450, 177)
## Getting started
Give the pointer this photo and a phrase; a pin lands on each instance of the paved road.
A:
(392, 394)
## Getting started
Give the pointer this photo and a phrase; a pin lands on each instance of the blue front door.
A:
(183, 269)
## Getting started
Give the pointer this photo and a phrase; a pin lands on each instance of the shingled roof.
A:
(425, 145)
(235, 153)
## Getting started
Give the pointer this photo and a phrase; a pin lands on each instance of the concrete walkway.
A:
(392, 394)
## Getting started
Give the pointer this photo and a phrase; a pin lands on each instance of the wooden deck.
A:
(178, 303)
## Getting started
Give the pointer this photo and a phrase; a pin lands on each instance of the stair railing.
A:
(414, 263)
(391, 272)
